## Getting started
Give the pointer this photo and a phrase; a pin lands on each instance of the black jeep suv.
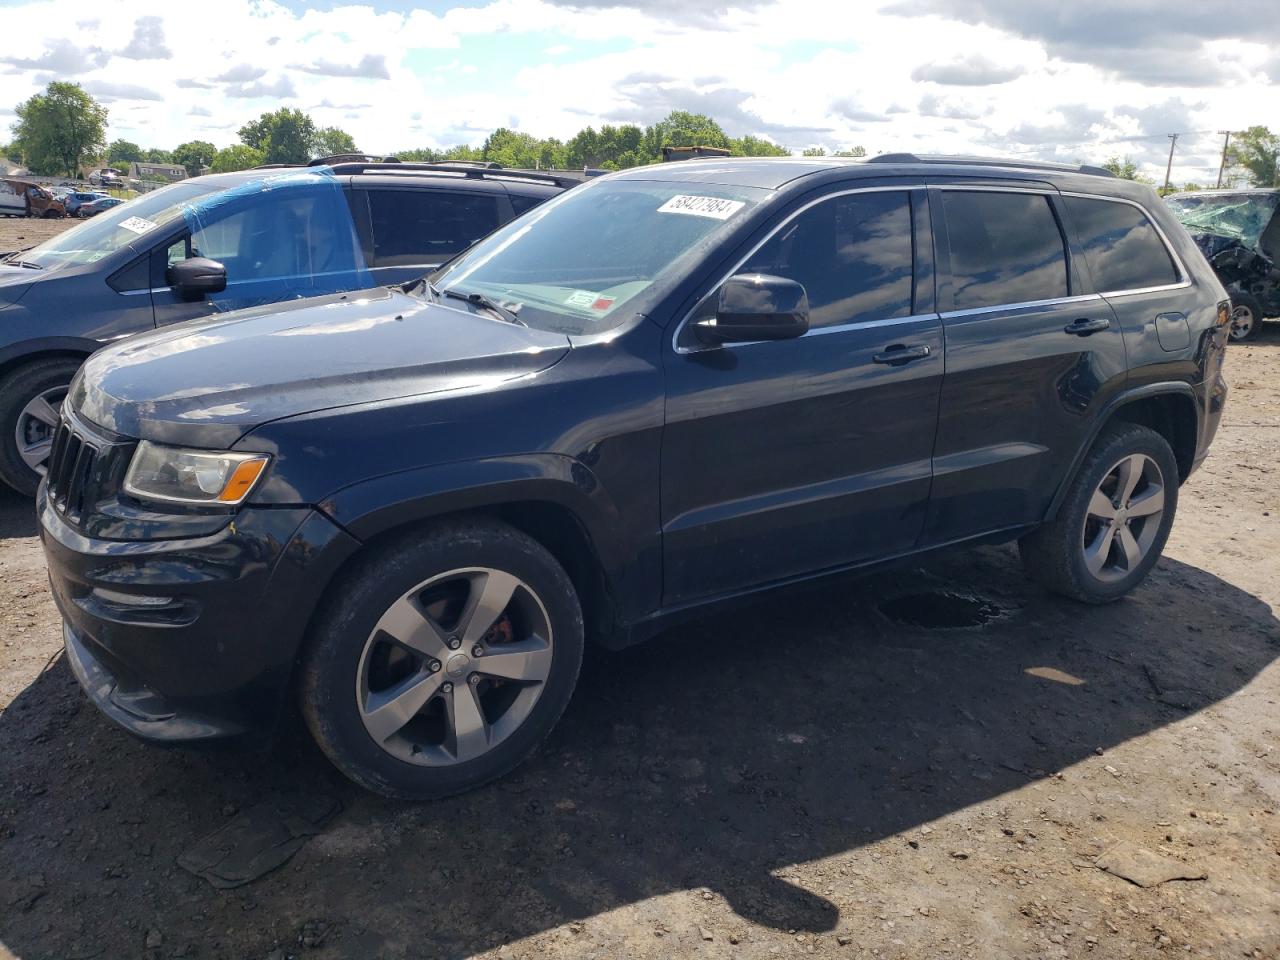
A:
(219, 243)
(406, 509)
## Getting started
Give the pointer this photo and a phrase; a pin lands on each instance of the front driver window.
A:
(852, 254)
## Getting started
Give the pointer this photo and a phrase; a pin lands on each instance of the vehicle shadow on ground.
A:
(17, 515)
(803, 727)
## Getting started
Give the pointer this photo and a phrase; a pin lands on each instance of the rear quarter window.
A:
(1121, 245)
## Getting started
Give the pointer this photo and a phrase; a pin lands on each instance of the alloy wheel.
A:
(1123, 518)
(37, 423)
(1242, 321)
(454, 666)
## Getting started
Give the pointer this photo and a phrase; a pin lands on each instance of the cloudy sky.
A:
(1075, 80)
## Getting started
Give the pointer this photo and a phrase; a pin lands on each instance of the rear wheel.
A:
(1112, 527)
(444, 660)
(30, 404)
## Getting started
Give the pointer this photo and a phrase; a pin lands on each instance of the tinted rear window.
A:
(412, 227)
(1005, 248)
(1122, 248)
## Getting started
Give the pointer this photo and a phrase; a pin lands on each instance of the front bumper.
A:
(194, 639)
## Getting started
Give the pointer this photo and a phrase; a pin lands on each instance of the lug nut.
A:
(447, 687)
(435, 666)
(454, 643)
(477, 651)
(475, 679)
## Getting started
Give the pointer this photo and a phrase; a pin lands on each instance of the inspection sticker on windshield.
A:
(717, 208)
(137, 224)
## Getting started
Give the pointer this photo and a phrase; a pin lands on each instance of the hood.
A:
(206, 383)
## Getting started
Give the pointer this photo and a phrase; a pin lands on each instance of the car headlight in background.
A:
(177, 475)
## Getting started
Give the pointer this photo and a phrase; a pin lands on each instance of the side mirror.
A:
(756, 306)
(196, 277)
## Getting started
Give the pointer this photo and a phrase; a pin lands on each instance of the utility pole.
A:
(1168, 171)
(1226, 142)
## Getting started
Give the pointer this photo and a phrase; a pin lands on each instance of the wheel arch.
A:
(560, 513)
(46, 348)
(1170, 409)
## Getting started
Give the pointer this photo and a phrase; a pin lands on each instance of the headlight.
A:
(192, 476)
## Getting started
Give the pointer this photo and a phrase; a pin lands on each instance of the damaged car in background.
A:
(1238, 231)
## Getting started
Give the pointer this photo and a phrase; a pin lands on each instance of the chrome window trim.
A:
(1001, 307)
(995, 188)
(1184, 278)
(837, 328)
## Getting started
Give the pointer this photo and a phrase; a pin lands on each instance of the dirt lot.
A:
(804, 777)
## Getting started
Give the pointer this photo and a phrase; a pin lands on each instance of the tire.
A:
(1058, 554)
(1246, 317)
(50, 378)
(350, 666)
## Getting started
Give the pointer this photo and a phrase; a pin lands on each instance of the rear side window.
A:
(412, 227)
(1005, 248)
(520, 204)
(852, 254)
(1122, 248)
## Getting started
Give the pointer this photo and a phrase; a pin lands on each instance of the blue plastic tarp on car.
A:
(280, 236)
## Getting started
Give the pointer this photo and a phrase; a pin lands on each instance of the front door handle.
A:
(1085, 326)
(898, 354)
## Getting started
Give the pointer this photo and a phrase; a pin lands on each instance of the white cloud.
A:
(1017, 77)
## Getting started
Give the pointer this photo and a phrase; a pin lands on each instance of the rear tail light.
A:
(1224, 313)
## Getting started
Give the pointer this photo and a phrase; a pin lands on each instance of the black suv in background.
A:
(406, 509)
(222, 242)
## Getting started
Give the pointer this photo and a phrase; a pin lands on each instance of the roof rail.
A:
(351, 158)
(991, 162)
(465, 169)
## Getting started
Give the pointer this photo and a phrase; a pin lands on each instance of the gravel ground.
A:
(802, 777)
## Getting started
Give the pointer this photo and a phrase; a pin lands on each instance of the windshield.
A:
(573, 264)
(1239, 216)
(118, 226)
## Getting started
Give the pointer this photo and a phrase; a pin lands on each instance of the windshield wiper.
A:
(478, 300)
(24, 263)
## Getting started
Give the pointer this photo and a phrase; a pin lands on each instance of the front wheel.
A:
(30, 403)
(445, 658)
(1113, 524)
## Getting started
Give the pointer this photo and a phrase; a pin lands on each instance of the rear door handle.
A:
(1085, 326)
(898, 354)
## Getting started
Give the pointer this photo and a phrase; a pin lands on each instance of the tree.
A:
(156, 155)
(61, 129)
(751, 146)
(814, 152)
(851, 152)
(1124, 168)
(121, 153)
(683, 129)
(195, 155)
(236, 157)
(284, 136)
(1257, 151)
(330, 142)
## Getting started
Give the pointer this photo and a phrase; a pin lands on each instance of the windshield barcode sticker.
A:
(717, 208)
(137, 224)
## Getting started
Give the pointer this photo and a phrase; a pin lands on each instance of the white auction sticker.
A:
(580, 298)
(717, 208)
(137, 224)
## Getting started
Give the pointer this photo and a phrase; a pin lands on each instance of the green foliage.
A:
(1257, 151)
(194, 155)
(852, 152)
(284, 136)
(61, 129)
(612, 148)
(236, 157)
(814, 152)
(749, 146)
(1124, 168)
(156, 155)
(683, 129)
(121, 153)
(330, 141)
